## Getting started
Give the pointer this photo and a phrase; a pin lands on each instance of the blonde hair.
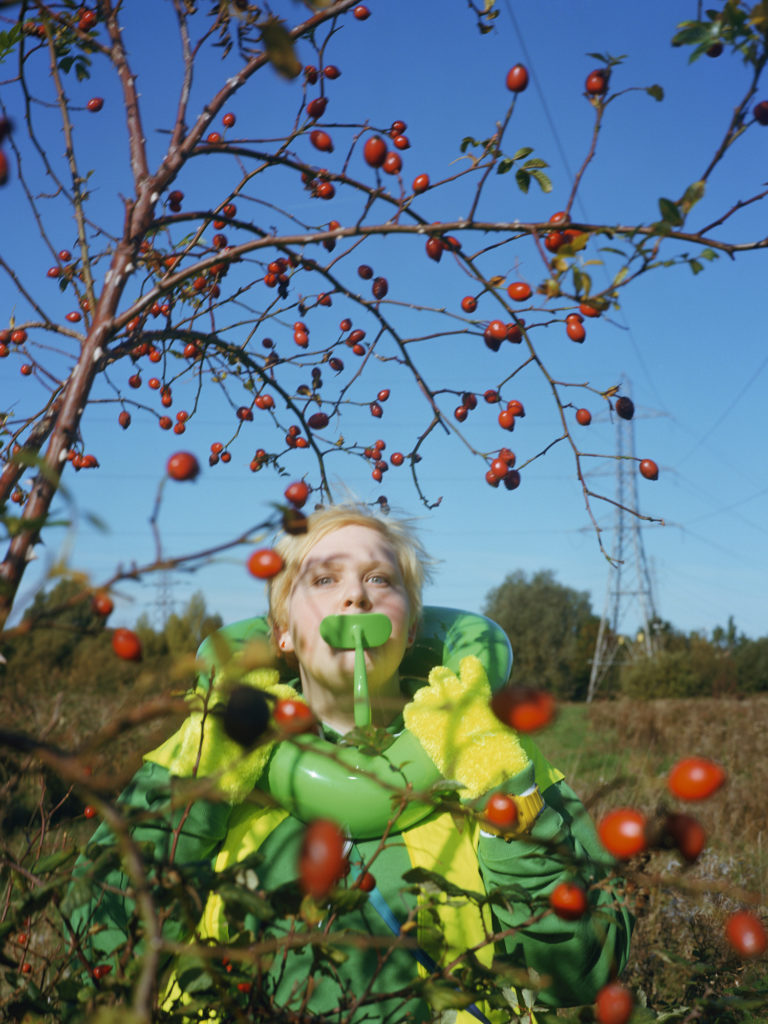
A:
(414, 562)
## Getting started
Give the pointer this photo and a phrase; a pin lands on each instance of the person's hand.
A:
(453, 721)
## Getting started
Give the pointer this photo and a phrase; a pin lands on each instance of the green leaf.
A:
(521, 154)
(279, 46)
(691, 32)
(709, 254)
(529, 165)
(670, 213)
(53, 861)
(467, 142)
(442, 995)
(545, 182)
(696, 266)
(523, 179)
(8, 41)
(504, 166)
(582, 282)
(656, 91)
(620, 276)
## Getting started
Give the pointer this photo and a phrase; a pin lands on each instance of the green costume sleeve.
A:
(575, 957)
(100, 904)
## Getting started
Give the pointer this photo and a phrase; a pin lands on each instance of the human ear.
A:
(284, 640)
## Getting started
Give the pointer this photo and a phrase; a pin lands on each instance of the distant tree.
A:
(751, 658)
(683, 666)
(552, 629)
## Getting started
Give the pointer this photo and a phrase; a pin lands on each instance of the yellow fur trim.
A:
(453, 721)
(202, 748)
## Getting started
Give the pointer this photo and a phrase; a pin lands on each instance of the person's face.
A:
(348, 571)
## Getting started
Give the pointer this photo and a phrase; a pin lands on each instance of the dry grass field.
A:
(617, 753)
(614, 753)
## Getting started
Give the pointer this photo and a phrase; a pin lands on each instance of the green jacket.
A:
(228, 854)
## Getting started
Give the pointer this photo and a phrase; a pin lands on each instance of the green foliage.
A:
(552, 630)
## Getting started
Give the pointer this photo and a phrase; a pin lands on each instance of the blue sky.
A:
(691, 349)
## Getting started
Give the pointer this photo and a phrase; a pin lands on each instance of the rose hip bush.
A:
(252, 251)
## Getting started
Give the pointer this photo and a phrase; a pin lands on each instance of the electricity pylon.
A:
(629, 589)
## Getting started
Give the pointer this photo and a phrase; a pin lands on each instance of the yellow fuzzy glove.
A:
(202, 748)
(453, 721)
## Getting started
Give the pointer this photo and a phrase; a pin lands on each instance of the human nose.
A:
(356, 595)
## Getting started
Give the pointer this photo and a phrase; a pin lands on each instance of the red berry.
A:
(761, 112)
(397, 458)
(522, 707)
(420, 183)
(95, 104)
(89, 811)
(506, 420)
(182, 466)
(746, 933)
(613, 1004)
(297, 493)
(366, 882)
(584, 417)
(393, 163)
(228, 120)
(321, 859)
(622, 832)
(569, 901)
(687, 834)
(434, 247)
(497, 330)
(321, 140)
(294, 716)
(318, 420)
(517, 78)
(501, 810)
(316, 107)
(516, 408)
(126, 645)
(586, 310)
(361, 12)
(575, 331)
(375, 151)
(102, 603)
(331, 71)
(380, 287)
(469, 304)
(695, 778)
(265, 563)
(597, 82)
(365, 272)
(649, 469)
(519, 291)
(124, 419)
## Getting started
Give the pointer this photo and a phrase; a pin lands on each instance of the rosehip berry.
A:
(265, 563)
(517, 78)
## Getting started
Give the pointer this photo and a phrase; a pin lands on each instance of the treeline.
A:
(553, 632)
(61, 679)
